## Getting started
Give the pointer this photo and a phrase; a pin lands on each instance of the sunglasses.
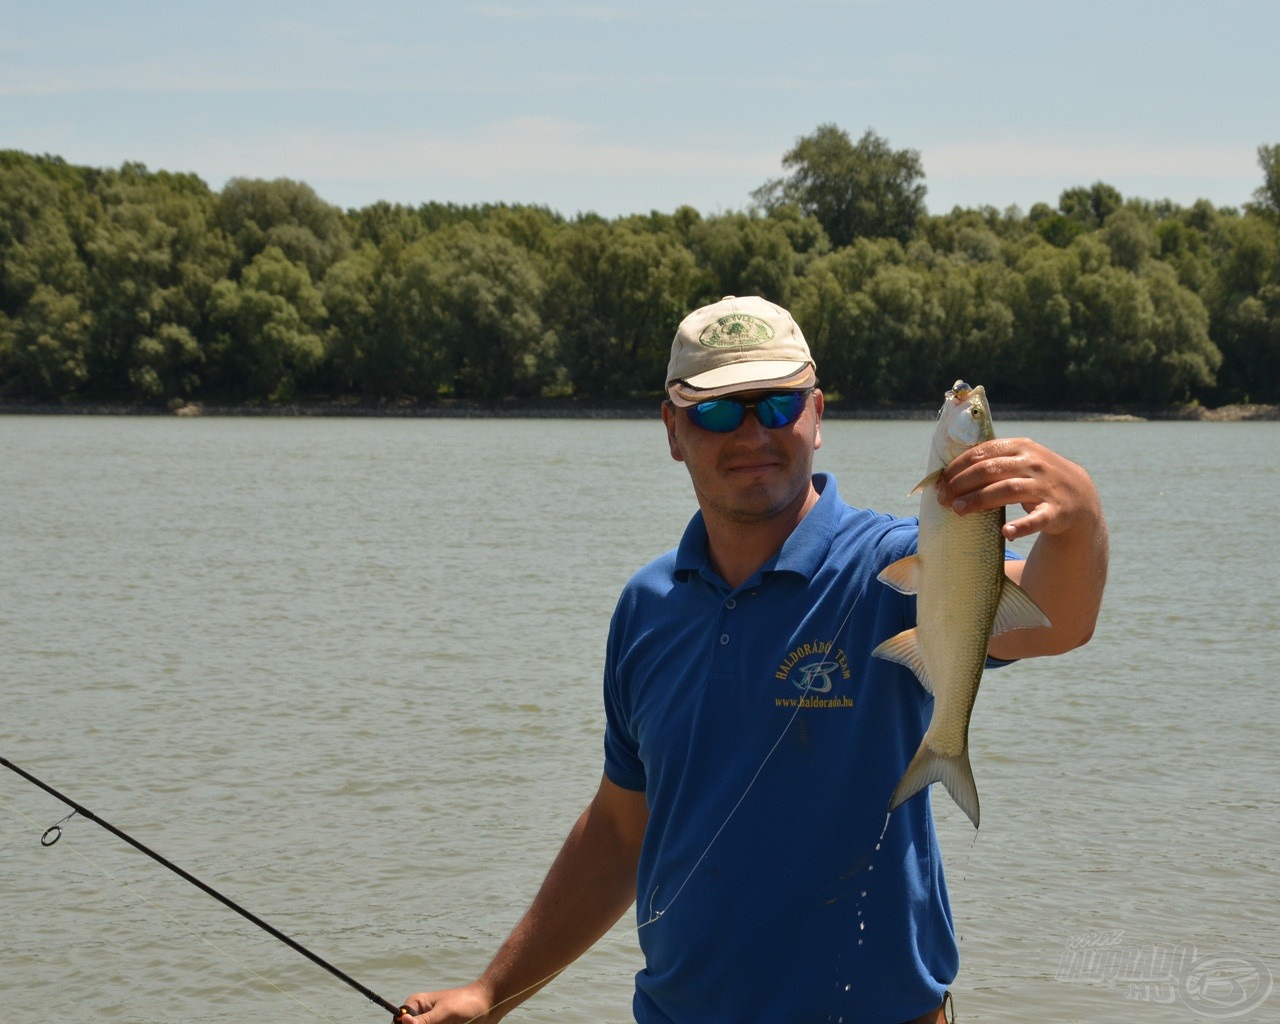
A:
(723, 415)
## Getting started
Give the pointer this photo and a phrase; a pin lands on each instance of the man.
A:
(752, 742)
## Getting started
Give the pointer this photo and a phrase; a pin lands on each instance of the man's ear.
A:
(669, 415)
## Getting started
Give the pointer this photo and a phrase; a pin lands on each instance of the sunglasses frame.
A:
(696, 414)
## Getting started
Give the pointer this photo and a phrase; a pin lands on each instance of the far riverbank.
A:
(560, 408)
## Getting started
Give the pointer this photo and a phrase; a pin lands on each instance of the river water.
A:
(346, 671)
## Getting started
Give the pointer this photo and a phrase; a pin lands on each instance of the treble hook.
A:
(55, 830)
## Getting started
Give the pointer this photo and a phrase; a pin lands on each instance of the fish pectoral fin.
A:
(1016, 610)
(903, 575)
(904, 649)
(928, 481)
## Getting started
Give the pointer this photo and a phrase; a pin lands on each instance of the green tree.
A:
(1253, 341)
(383, 221)
(43, 349)
(285, 214)
(616, 293)
(1186, 358)
(267, 329)
(854, 190)
(976, 236)
(837, 316)
(1267, 196)
(1090, 332)
(976, 324)
(45, 317)
(153, 258)
(751, 254)
(1186, 250)
(385, 320)
(491, 308)
(1090, 206)
(1131, 239)
(1244, 307)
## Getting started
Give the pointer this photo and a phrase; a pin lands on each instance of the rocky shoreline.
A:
(637, 409)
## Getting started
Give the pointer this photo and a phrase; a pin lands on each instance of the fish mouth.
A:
(959, 392)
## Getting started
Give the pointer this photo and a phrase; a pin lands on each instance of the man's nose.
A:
(751, 429)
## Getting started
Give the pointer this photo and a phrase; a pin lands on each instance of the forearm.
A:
(583, 895)
(589, 887)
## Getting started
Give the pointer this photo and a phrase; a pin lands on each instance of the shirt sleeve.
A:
(622, 763)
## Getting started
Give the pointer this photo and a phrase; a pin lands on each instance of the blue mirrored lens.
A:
(722, 415)
(780, 409)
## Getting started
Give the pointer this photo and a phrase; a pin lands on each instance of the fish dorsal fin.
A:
(902, 575)
(1016, 610)
(904, 649)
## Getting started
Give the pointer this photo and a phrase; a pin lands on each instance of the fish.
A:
(963, 598)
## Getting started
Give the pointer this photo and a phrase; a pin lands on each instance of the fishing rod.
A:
(54, 833)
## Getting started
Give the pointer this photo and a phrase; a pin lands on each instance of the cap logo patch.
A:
(736, 330)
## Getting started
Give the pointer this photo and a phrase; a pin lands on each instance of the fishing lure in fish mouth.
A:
(54, 832)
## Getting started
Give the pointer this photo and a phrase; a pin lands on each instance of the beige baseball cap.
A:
(737, 344)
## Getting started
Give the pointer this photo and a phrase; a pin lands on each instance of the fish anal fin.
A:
(927, 768)
(902, 575)
(904, 649)
(1016, 610)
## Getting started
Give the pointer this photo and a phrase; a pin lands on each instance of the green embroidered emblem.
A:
(737, 330)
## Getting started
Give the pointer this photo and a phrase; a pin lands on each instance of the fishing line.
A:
(656, 915)
(55, 831)
(804, 692)
(52, 834)
(155, 906)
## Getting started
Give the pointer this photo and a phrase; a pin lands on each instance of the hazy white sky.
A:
(623, 108)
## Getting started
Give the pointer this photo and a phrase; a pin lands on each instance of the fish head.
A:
(963, 421)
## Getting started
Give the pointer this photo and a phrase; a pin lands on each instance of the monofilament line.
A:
(181, 924)
(182, 873)
(656, 914)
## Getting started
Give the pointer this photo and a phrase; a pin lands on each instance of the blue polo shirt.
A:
(767, 741)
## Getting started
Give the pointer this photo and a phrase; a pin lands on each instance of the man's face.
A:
(753, 473)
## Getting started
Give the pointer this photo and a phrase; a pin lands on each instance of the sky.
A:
(619, 107)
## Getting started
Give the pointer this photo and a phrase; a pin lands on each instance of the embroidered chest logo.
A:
(814, 669)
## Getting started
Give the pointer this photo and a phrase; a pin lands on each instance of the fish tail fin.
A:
(954, 772)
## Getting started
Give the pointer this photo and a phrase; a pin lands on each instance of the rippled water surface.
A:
(347, 672)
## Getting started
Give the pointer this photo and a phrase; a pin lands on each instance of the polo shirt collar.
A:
(801, 553)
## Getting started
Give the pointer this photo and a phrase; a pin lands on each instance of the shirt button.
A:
(731, 604)
(724, 639)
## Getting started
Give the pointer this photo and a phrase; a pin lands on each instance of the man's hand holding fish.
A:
(1067, 568)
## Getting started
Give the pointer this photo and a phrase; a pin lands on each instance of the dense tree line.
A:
(149, 287)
